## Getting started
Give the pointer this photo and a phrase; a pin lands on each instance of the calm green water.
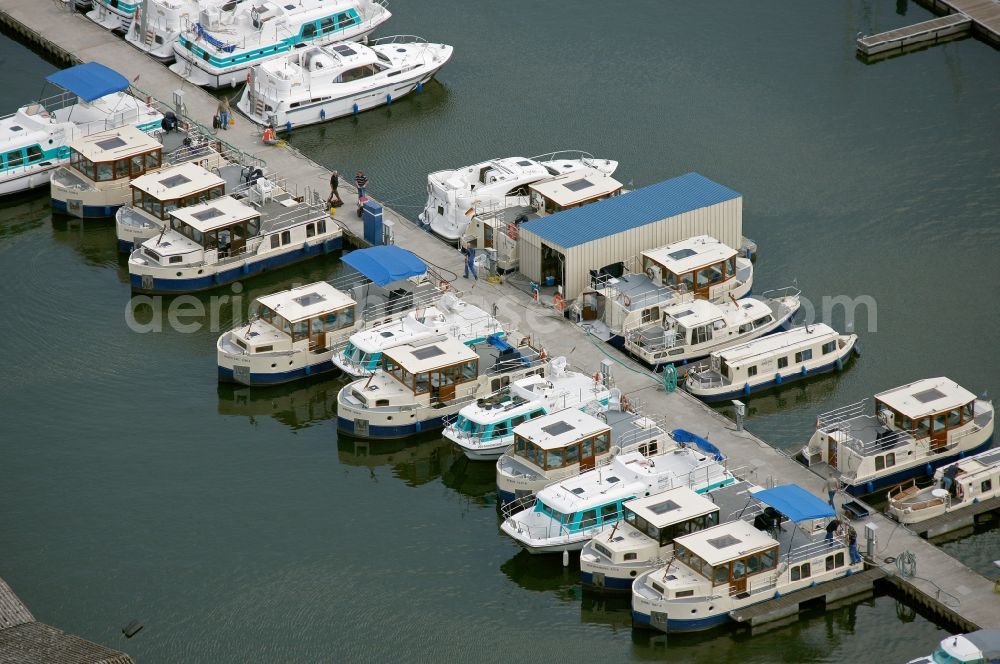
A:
(237, 527)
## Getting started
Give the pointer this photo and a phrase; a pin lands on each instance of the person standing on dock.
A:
(832, 486)
(470, 261)
(362, 183)
(852, 545)
(334, 200)
(224, 111)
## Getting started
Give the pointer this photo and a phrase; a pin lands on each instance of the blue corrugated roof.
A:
(632, 210)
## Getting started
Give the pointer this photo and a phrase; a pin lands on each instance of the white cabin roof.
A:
(560, 430)
(698, 312)
(782, 342)
(307, 301)
(690, 254)
(726, 541)
(119, 143)
(214, 214)
(177, 181)
(671, 506)
(424, 357)
(926, 397)
(575, 188)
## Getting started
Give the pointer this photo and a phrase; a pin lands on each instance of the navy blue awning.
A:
(385, 264)
(683, 436)
(89, 81)
(795, 502)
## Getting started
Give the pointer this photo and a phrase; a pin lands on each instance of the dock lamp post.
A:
(741, 411)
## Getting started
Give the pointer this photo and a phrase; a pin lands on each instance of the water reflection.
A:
(545, 573)
(414, 461)
(93, 239)
(473, 479)
(783, 398)
(297, 406)
(22, 213)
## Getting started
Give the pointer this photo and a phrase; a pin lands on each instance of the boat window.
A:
(782, 362)
(104, 172)
(515, 421)
(708, 276)
(588, 519)
(764, 320)
(879, 463)
(253, 227)
(356, 74)
(469, 371)
(968, 412)
(701, 334)
(609, 513)
(519, 445)
(720, 575)
(34, 153)
(553, 459)
(308, 30)
(573, 454)
(286, 327)
(751, 372)
(310, 230)
(986, 485)
(687, 282)
(327, 25)
(167, 207)
(321, 226)
(286, 237)
(890, 459)
(923, 427)
(800, 572)
(954, 418)
(383, 57)
(588, 449)
(731, 266)
(152, 159)
(176, 259)
(345, 20)
(670, 279)
(239, 232)
(940, 422)
(602, 443)
(650, 315)
(121, 168)
(136, 165)
(603, 550)
(803, 355)
(300, 330)
(14, 158)
(422, 383)
(753, 564)
(829, 347)
(767, 559)
(275, 241)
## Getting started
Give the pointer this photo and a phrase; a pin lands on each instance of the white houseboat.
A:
(453, 196)
(485, 429)
(970, 480)
(291, 334)
(564, 516)
(734, 565)
(911, 430)
(36, 138)
(156, 25)
(769, 361)
(219, 48)
(698, 267)
(564, 444)
(493, 229)
(115, 15)
(225, 240)
(320, 83)
(419, 385)
(102, 167)
(645, 538)
(451, 316)
(691, 330)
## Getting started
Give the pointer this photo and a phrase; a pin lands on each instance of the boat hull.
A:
(911, 472)
(260, 379)
(387, 432)
(610, 584)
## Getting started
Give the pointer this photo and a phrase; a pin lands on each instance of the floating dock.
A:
(961, 520)
(945, 586)
(932, 31)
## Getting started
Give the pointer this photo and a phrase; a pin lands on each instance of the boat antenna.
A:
(161, 233)
(613, 530)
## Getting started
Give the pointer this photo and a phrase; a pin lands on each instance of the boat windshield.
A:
(555, 515)
(384, 58)
(941, 656)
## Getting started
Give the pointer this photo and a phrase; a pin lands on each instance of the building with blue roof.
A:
(567, 245)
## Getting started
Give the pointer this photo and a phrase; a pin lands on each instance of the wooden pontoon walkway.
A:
(919, 33)
(73, 38)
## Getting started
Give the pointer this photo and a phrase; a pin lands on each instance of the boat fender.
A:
(840, 364)
(805, 371)
(777, 594)
(746, 389)
(870, 487)
(420, 87)
(857, 349)
(627, 301)
(777, 378)
(309, 369)
(849, 571)
(288, 126)
(929, 469)
(388, 100)
(322, 114)
(246, 268)
(355, 109)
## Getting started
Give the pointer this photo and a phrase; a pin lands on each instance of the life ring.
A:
(626, 300)
(542, 354)
(444, 286)
(597, 377)
(558, 302)
(512, 231)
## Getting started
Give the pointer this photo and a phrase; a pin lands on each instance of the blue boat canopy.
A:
(795, 502)
(683, 436)
(89, 81)
(385, 264)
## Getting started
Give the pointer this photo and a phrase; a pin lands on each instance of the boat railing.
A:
(556, 531)
(814, 549)
(638, 337)
(706, 377)
(779, 293)
(882, 443)
(384, 312)
(830, 420)
(200, 147)
(955, 435)
(563, 154)
(761, 584)
(397, 39)
(519, 505)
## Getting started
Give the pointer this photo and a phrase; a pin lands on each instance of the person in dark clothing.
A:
(362, 183)
(948, 479)
(831, 528)
(852, 544)
(334, 200)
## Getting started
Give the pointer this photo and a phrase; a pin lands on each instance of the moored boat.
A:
(738, 564)
(957, 485)
(773, 360)
(911, 430)
(155, 25)
(320, 83)
(692, 329)
(225, 239)
(566, 515)
(486, 428)
(564, 444)
(36, 139)
(979, 647)
(453, 196)
(219, 48)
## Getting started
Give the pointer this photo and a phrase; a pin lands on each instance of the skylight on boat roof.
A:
(557, 428)
(579, 185)
(174, 181)
(16, 127)
(385, 335)
(723, 542)
(578, 490)
(682, 253)
(612, 480)
(110, 143)
(205, 215)
(524, 162)
(664, 507)
(682, 314)
(928, 396)
(427, 352)
(308, 299)
(344, 49)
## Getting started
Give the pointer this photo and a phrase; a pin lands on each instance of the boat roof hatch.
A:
(672, 506)
(177, 181)
(926, 397)
(725, 542)
(690, 254)
(424, 357)
(214, 214)
(561, 429)
(89, 81)
(575, 188)
(307, 301)
(122, 142)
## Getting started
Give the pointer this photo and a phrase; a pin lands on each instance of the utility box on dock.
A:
(371, 215)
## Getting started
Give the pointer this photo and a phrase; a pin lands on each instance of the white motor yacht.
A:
(979, 647)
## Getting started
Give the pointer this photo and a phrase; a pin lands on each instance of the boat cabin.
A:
(159, 193)
(701, 265)
(435, 368)
(206, 232)
(572, 190)
(730, 554)
(933, 407)
(125, 153)
(510, 398)
(567, 439)
(785, 353)
(314, 312)
(694, 322)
